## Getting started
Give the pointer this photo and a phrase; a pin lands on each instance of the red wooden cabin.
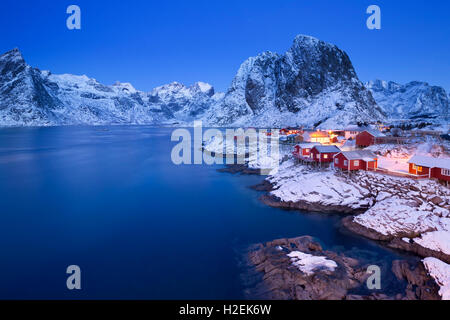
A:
(356, 160)
(368, 138)
(303, 150)
(430, 167)
(324, 154)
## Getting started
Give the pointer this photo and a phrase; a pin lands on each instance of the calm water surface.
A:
(110, 200)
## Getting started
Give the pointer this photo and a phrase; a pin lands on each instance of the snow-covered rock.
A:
(309, 264)
(393, 207)
(312, 84)
(295, 183)
(440, 272)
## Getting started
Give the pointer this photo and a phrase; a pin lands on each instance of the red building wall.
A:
(425, 170)
(365, 139)
(324, 157)
(372, 165)
(361, 166)
(304, 152)
(340, 163)
(437, 173)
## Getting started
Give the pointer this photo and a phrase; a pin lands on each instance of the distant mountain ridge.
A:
(313, 84)
(30, 97)
(415, 101)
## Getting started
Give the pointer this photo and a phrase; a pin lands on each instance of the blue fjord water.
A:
(110, 200)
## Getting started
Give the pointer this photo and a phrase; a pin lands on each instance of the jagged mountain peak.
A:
(312, 84)
(13, 54)
(12, 63)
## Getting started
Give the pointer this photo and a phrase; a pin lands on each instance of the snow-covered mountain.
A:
(312, 84)
(29, 96)
(416, 101)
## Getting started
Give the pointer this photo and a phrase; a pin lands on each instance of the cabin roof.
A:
(327, 149)
(307, 145)
(374, 133)
(365, 155)
(430, 162)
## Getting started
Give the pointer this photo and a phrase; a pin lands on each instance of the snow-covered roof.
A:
(430, 162)
(327, 149)
(374, 133)
(307, 145)
(365, 155)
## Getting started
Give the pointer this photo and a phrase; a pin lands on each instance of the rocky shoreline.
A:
(393, 242)
(372, 190)
(283, 279)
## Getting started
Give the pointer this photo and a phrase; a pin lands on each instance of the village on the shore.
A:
(391, 186)
(356, 148)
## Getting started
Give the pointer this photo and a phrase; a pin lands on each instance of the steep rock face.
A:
(415, 100)
(24, 99)
(313, 84)
(29, 96)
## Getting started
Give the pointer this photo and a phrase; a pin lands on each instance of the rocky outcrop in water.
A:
(282, 278)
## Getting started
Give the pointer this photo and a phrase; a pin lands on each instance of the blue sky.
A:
(150, 43)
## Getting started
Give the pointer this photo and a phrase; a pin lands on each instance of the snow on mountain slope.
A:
(313, 84)
(417, 101)
(29, 96)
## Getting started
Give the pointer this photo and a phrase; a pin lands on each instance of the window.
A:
(336, 160)
(345, 163)
(419, 169)
(414, 167)
(445, 172)
(325, 156)
(318, 156)
(356, 163)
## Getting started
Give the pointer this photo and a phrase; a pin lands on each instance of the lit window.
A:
(414, 167)
(419, 169)
(445, 172)
(325, 156)
(356, 163)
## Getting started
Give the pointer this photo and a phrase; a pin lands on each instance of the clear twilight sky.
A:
(151, 43)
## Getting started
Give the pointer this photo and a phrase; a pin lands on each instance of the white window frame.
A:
(345, 162)
(445, 172)
(336, 160)
(356, 163)
(325, 156)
